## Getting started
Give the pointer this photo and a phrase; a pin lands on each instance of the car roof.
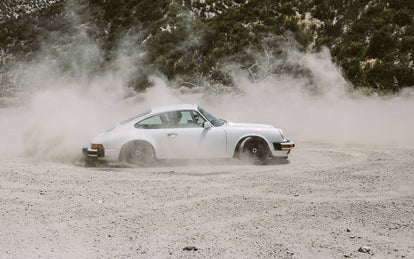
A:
(160, 109)
(177, 107)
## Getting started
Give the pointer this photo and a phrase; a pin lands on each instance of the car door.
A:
(187, 138)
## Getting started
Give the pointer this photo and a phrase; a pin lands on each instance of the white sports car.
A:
(187, 131)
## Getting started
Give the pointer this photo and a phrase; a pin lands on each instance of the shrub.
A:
(402, 17)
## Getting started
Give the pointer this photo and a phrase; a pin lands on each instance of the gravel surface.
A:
(330, 201)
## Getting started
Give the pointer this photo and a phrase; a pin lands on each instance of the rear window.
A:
(153, 122)
(135, 117)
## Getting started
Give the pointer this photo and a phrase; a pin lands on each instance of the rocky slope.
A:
(193, 42)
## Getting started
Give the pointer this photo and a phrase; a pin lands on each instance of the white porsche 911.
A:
(187, 132)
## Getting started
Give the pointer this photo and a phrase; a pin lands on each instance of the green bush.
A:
(407, 43)
(380, 43)
(403, 17)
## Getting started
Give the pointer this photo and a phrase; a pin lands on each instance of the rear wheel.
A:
(139, 153)
(254, 150)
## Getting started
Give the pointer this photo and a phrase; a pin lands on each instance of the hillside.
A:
(194, 43)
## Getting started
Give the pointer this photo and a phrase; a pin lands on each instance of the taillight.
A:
(97, 146)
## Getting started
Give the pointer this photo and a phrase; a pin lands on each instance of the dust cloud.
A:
(58, 110)
(325, 108)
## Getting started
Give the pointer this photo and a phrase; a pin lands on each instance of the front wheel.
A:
(254, 150)
(139, 153)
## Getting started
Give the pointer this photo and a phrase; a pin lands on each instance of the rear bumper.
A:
(93, 153)
(282, 149)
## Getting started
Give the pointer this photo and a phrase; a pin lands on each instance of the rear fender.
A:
(155, 147)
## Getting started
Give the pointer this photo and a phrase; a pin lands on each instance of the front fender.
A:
(245, 136)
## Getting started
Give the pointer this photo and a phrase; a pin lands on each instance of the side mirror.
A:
(207, 125)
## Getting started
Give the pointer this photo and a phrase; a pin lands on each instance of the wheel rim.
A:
(139, 153)
(255, 151)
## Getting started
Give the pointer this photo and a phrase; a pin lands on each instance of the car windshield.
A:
(216, 122)
(135, 117)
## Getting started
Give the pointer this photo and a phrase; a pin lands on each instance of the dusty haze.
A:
(348, 183)
(63, 101)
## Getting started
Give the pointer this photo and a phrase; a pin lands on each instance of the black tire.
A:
(138, 153)
(254, 150)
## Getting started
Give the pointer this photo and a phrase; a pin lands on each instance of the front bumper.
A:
(282, 149)
(287, 145)
(93, 153)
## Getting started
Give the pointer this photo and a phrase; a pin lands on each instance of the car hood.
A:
(248, 125)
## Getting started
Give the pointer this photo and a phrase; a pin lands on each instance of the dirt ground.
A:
(329, 201)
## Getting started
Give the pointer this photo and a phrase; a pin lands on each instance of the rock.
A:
(190, 248)
(364, 249)
(290, 252)
(348, 230)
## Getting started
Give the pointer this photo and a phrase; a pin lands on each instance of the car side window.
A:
(183, 119)
(153, 122)
(198, 120)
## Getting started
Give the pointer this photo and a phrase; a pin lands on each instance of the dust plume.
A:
(67, 96)
(322, 107)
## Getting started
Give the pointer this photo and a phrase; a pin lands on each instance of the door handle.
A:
(172, 134)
